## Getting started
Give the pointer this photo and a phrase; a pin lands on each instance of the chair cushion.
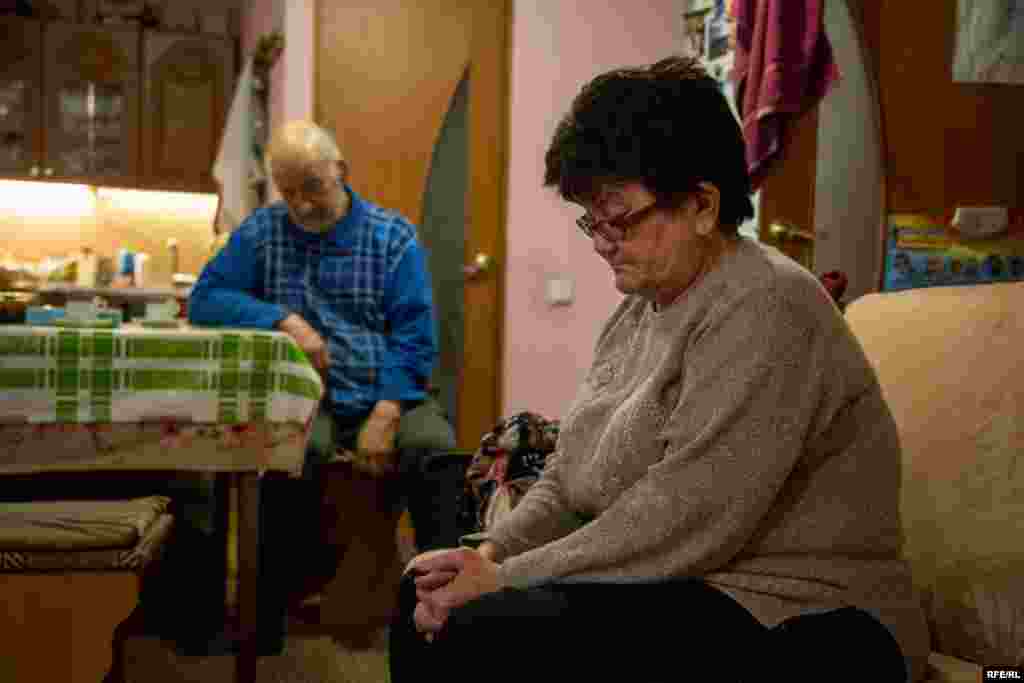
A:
(77, 524)
(946, 669)
(980, 621)
(104, 534)
(951, 364)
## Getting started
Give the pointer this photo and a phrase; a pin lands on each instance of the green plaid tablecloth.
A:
(137, 398)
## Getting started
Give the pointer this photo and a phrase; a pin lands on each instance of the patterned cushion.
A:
(85, 535)
(510, 458)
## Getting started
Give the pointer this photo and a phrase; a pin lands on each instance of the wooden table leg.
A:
(248, 484)
(223, 492)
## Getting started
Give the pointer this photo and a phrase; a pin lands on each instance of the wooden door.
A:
(391, 77)
(187, 85)
(21, 90)
(787, 195)
(386, 75)
(92, 101)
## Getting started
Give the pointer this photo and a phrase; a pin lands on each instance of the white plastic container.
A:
(141, 259)
(88, 266)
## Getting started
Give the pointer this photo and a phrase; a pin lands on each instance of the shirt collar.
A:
(344, 231)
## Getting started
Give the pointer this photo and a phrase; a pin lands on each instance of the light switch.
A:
(559, 291)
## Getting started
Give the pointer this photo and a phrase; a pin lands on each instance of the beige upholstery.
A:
(951, 363)
(946, 669)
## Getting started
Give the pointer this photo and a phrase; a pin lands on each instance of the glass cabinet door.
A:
(92, 103)
(20, 97)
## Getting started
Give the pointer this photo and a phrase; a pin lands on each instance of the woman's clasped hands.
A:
(446, 580)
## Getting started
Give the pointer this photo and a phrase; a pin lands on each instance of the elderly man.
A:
(348, 281)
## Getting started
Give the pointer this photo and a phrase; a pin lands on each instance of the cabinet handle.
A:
(48, 172)
(34, 171)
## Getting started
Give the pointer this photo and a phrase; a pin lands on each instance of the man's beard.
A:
(318, 220)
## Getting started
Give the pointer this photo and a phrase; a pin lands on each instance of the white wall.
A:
(298, 59)
(291, 80)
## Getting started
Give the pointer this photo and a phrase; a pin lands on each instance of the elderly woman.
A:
(723, 500)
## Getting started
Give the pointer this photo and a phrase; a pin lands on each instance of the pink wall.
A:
(556, 48)
(262, 17)
(298, 60)
(291, 80)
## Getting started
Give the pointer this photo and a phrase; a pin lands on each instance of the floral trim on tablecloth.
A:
(153, 445)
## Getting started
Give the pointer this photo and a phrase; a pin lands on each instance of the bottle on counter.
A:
(88, 268)
(105, 272)
(141, 259)
(125, 273)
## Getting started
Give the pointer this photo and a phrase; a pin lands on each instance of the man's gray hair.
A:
(301, 141)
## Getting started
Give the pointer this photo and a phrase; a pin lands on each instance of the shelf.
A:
(129, 294)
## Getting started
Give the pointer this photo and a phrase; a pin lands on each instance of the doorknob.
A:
(34, 171)
(784, 231)
(481, 265)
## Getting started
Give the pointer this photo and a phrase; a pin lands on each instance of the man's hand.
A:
(307, 339)
(448, 580)
(376, 442)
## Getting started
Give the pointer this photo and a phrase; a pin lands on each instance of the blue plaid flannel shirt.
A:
(363, 286)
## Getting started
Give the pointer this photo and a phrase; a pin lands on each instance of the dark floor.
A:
(305, 660)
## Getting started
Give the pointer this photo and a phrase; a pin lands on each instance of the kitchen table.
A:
(235, 402)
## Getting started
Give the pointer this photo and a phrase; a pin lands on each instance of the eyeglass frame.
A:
(591, 226)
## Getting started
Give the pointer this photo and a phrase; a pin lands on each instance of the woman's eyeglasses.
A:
(613, 229)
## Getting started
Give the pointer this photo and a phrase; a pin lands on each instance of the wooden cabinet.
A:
(189, 81)
(21, 90)
(112, 105)
(92, 95)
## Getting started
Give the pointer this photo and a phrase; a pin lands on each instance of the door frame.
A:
(481, 382)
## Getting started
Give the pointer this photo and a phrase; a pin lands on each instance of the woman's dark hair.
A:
(667, 125)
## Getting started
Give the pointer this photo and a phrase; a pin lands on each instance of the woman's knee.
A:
(849, 643)
(406, 597)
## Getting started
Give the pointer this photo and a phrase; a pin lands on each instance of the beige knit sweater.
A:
(738, 435)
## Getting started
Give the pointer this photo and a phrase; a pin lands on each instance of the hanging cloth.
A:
(235, 158)
(783, 66)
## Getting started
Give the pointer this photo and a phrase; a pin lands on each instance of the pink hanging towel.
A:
(783, 65)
